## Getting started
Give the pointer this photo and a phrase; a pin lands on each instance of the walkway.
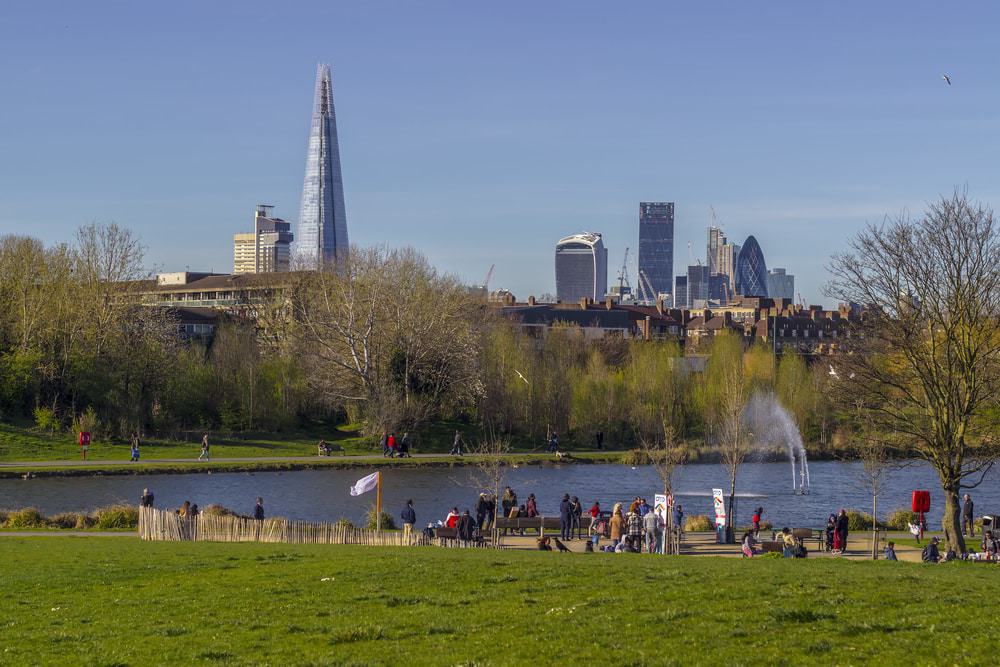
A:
(78, 463)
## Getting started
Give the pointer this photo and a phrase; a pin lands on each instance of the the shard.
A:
(321, 237)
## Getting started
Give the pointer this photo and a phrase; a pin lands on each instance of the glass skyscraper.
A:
(751, 271)
(321, 237)
(656, 244)
(581, 267)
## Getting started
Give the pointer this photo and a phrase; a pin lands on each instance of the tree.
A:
(492, 457)
(735, 442)
(926, 363)
(665, 454)
(876, 464)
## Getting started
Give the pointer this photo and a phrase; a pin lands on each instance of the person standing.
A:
(635, 531)
(617, 523)
(831, 530)
(757, 515)
(135, 447)
(404, 446)
(146, 499)
(204, 456)
(452, 518)
(391, 444)
(456, 445)
(508, 501)
(464, 528)
(554, 442)
(481, 504)
(258, 510)
(385, 444)
(577, 518)
(409, 517)
(565, 517)
(842, 523)
(653, 525)
(678, 518)
(600, 440)
(968, 517)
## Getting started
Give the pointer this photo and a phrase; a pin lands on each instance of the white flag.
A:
(365, 484)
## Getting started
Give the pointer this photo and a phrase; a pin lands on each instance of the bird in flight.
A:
(522, 377)
(947, 79)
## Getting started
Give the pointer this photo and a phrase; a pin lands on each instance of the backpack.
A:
(924, 554)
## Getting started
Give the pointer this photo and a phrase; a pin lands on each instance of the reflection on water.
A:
(323, 495)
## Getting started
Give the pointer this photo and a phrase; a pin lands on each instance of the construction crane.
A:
(646, 290)
(802, 302)
(486, 280)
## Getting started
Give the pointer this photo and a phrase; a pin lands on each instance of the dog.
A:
(560, 546)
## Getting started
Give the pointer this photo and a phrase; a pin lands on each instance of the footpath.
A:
(103, 463)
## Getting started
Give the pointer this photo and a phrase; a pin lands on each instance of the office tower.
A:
(751, 271)
(697, 285)
(265, 250)
(727, 264)
(581, 267)
(656, 244)
(716, 242)
(780, 285)
(718, 288)
(321, 237)
(681, 293)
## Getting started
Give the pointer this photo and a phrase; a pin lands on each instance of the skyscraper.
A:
(716, 242)
(751, 271)
(681, 293)
(780, 285)
(267, 248)
(321, 237)
(656, 244)
(581, 267)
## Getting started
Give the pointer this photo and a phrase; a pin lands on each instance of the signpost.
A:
(720, 516)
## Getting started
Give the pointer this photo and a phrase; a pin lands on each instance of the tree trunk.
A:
(951, 521)
(874, 526)
(730, 529)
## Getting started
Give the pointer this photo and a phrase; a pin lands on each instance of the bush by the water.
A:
(860, 521)
(386, 522)
(218, 510)
(697, 523)
(113, 517)
(899, 519)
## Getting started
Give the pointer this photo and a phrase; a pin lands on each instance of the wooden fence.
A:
(161, 525)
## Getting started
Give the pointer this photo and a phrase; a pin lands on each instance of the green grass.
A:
(120, 601)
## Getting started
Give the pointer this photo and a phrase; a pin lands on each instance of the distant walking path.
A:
(78, 463)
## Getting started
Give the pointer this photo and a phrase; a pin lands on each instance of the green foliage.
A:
(86, 422)
(899, 519)
(46, 419)
(117, 517)
(386, 522)
(71, 520)
(857, 520)
(217, 510)
(28, 517)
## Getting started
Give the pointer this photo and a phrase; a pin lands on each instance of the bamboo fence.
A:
(167, 526)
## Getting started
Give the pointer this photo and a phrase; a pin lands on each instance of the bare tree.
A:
(877, 463)
(927, 353)
(735, 441)
(664, 454)
(492, 459)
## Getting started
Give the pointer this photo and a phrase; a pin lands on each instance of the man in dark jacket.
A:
(566, 518)
(931, 553)
(146, 499)
(842, 522)
(481, 504)
(968, 517)
(408, 516)
(465, 529)
(258, 511)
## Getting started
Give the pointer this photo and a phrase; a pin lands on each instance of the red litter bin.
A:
(920, 503)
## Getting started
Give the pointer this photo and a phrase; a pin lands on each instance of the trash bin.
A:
(991, 522)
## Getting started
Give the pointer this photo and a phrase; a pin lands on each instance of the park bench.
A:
(540, 524)
(806, 534)
(771, 547)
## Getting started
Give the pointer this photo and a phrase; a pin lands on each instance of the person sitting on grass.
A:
(787, 542)
(748, 544)
(930, 554)
(890, 551)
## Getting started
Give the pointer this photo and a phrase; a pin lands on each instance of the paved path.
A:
(78, 463)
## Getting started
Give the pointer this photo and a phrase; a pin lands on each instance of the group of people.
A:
(391, 447)
(189, 510)
(640, 527)
(837, 531)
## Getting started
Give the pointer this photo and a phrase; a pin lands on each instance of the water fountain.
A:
(772, 426)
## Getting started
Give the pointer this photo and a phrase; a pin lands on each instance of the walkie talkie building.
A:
(321, 237)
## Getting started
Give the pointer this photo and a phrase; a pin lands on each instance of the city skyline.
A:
(800, 151)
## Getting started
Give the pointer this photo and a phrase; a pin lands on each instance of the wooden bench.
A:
(806, 534)
(772, 547)
(539, 524)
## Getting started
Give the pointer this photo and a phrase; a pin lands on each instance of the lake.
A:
(323, 495)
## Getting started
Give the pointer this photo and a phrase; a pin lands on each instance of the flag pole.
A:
(378, 501)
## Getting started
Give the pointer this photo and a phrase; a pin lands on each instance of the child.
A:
(890, 551)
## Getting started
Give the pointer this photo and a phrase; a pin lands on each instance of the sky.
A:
(481, 133)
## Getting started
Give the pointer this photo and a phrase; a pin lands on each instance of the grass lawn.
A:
(105, 601)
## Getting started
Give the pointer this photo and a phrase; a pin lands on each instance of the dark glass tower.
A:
(321, 237)
(656, 244)
(751, 271)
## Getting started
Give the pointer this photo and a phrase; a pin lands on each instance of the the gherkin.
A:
(751, 271)
(321, 237)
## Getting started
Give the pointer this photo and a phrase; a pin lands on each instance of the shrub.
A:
(71, 520)
(218, 510)
(860, 521)
(117, 517)
(28, 517)
(766, 525)
(385, 520)
(45, 419)
(900, 518)
(343, 522)
(635, 457)
(697, 523)
(87, 421)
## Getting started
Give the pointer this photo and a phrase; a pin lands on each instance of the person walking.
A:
(554, 442)
(841, 536)
(456, 445)
(146, 499)
(391, 444)
(652, 524)
(635, 531)
(409, 517)
(404, 446)
(831, 529)
(968, 517)
(565, 517)
(385, 444)
(679, 519)
(757, 516)
(204, 456)
(135, 447)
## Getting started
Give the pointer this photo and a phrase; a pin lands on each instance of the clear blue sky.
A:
(480, 133)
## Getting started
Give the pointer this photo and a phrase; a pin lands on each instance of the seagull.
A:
(522, 377)
(833, 372)
(947, 79)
